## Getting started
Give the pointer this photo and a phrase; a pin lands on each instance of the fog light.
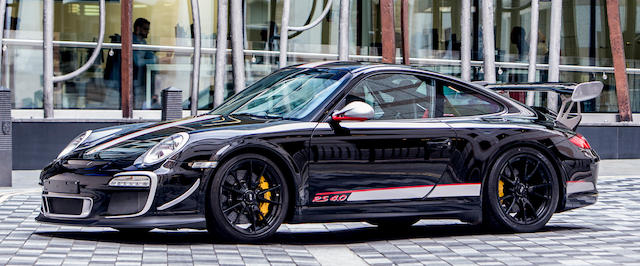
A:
(130, 181)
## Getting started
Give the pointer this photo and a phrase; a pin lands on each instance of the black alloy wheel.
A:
(522, 192)
(248, 199)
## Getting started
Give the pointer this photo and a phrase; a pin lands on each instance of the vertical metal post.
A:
(171, 104)
(388, 32)
(3, 9)
(221, 53)
(488, 42)
(5, 137)
(619, 65)
(343, 39)
(284, 33)
(465, 45)
(404, 24)
(237, 45)
(554, 51)
(195, 74)
(47, 32)
(126, 59)
(533, 49)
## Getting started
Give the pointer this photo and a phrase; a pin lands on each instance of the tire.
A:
(133, 231)
(394, 224)
(521, 193)
(246, 207)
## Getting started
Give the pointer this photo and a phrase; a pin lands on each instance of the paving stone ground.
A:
(602, 234)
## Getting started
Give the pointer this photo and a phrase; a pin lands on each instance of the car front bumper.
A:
(75, 199)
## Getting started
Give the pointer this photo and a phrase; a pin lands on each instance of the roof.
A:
(347, 65)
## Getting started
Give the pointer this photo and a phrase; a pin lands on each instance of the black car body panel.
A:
(352, 171)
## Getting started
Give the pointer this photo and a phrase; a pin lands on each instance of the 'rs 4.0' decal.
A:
(331, 198)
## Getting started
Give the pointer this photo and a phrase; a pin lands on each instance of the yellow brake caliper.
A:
(264, 206)
(500, 189)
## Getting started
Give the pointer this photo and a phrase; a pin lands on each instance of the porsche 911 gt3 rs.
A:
(334, 141)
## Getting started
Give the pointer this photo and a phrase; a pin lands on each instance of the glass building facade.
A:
(162, 55)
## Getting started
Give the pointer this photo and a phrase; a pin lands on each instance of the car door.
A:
(400, 154)
(480, 130)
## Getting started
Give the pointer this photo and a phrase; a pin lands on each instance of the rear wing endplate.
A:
(570, 93)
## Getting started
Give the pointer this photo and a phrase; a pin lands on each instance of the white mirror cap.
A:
(358, 110)
(587, 91)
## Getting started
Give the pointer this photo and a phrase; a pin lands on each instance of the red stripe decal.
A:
(370, 189)
(373, 189)
(460, 184)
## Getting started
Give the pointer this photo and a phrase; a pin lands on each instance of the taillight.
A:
(580, 141)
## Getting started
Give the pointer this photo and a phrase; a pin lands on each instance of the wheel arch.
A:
(551, 155)
(288, 170)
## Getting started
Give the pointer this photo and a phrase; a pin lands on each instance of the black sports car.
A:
(333, 141)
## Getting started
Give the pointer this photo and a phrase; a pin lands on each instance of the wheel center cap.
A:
(521, 189)
(249, 196)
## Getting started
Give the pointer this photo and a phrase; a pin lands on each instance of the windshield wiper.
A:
(263, 116)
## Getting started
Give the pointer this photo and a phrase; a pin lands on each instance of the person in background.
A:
(141, 58)
(518, 38)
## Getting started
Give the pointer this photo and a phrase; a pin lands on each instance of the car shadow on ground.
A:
(340, 236)
(368, 234)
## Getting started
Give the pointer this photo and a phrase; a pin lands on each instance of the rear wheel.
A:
(522, 191)
(248, 199)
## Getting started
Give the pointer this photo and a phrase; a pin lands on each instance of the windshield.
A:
(288, 94)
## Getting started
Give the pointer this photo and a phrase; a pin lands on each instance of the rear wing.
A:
(570, 94)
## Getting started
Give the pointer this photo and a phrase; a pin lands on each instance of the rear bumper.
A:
(577, 200)
(580, 186)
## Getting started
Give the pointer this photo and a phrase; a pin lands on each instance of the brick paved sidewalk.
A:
(605, 233)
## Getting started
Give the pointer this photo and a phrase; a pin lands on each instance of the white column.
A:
(284, 31)
(465, 47)
(488, 41)
(554, 51)
(195, 74)
(237, 43)
(47, 73)
(533, 49)
(343, 41)
(221, 54)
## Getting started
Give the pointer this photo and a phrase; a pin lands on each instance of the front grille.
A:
(127, 202)
(66, 206)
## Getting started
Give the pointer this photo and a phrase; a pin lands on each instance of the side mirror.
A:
(586, 91)
(358, 111)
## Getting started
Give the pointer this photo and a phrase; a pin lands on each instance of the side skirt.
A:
(466, 209)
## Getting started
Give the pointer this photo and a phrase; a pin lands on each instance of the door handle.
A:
(439, 143)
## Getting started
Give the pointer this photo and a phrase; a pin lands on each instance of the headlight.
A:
(165, 148)
(74, 143)
(130, 181)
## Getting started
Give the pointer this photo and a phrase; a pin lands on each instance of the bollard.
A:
(171, 104)
(5, 137)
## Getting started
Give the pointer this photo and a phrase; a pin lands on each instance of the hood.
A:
(128, 142)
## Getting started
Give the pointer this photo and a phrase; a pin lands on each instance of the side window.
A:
(396, 96)
(454, 101)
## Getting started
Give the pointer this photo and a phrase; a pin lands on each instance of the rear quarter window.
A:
(458, 101)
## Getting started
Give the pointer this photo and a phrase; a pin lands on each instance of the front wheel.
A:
(522, 191)
(248, 199)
